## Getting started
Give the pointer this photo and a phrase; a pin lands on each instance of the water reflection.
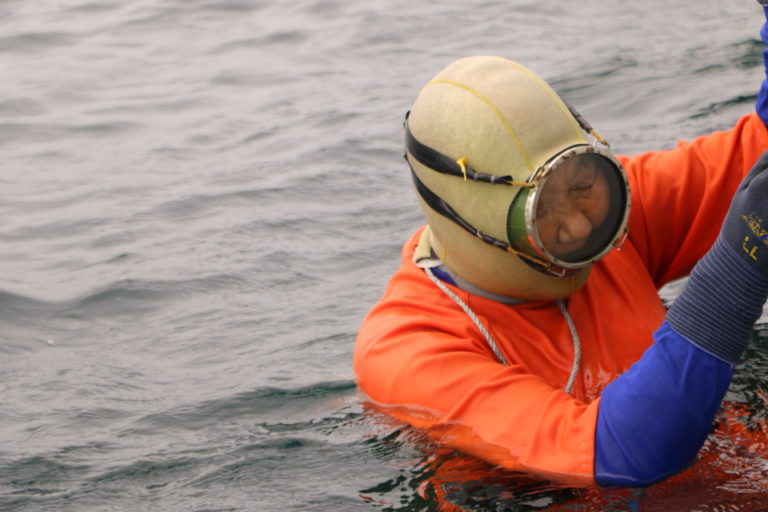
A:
(730, 474)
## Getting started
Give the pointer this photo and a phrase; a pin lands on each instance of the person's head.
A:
(519, 201)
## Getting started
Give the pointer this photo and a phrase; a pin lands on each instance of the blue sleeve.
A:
(654, 418)
(762, 97)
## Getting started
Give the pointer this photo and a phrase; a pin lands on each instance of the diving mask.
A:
(569, 213)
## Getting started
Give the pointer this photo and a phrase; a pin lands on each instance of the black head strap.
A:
(444, 164)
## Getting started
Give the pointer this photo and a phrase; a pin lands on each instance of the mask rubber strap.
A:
(439, 205)
(444, 164)
(585, 125)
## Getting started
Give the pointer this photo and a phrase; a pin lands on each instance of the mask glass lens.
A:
(580, 207)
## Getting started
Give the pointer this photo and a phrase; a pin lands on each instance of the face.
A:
(573, 202)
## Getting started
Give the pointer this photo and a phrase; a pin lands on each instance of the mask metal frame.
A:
(532, 195)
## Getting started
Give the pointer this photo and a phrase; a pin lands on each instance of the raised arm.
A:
(654, 418)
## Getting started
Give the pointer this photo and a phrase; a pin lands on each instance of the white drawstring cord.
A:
(491, 343)
(471, 314)
(576, 346)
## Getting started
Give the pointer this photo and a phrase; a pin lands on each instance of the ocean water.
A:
(200, 199)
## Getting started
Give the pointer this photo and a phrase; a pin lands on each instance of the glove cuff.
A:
(720, 304)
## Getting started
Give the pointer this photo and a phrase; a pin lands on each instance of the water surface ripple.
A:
(200, 199)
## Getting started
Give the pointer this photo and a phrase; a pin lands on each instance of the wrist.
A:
(719, 305)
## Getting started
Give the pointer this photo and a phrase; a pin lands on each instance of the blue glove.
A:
(727, 288)
(654, 418)
(762, 97)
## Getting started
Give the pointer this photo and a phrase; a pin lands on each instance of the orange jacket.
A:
(420, 356)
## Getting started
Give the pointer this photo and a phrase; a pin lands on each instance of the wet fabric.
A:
(654, 418)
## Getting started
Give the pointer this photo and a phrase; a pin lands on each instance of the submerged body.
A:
(421, 355)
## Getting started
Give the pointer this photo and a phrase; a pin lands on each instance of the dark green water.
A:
(200, 199)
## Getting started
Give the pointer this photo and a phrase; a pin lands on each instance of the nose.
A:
(575, 227)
